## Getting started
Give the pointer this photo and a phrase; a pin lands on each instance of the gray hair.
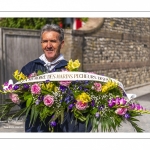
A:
(53, 27)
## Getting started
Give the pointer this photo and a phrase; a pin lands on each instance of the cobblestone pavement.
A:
(18, 126)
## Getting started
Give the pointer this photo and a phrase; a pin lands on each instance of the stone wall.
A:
(120, 49)
(73, 47)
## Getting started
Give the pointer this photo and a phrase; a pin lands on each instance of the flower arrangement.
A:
(105, 104)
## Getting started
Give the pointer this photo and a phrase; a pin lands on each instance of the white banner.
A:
(74, 76)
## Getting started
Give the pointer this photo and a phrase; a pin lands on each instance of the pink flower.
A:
(32, 75)
(121, 111)
(123, 101)
(138, 107)
(48, 100)
(81, 106)
(97, 86)
(35, 89)
(14, 97)
(131, 106)
(117, 101)
(65, 83)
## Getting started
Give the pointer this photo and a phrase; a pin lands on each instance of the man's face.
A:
(51, 45)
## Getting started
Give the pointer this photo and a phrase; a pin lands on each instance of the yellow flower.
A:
(49, 87)
(104, 89)
(55, 88)
(83, 97)
(22, 76)
(109, 86)
(19, 76)
(16, 73)
(73, 65)
(76, 64)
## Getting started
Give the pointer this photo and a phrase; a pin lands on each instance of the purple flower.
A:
(117, 101)
(26, 86)
(80, 87)
(62, 88)
(97, 115)
(86, 82)
(10, 87)
(138, 107)
(131, 106)
(127, 116)
(111, 103)
(67, 99)
(123, 101)
(53, 123)
(40, 97)
(73, 82)
(47, 81)
(37, 102)
(86, 90)
(6, 84)
(92, 103)
(70, 106)
(101, 107)
(16, 87)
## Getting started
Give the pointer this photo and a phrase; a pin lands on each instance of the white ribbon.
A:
(73, 76)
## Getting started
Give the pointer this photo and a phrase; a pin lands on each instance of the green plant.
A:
(28, 23)
(84, 19)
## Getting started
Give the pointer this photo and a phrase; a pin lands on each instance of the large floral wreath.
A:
(103, 102)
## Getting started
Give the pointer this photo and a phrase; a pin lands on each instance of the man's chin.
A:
(50, 57)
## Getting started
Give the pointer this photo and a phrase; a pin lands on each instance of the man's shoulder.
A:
(35, 61)
(61, 64)
(32, 66)
(64, 61)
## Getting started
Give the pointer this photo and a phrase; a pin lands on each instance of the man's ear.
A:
(62, 43)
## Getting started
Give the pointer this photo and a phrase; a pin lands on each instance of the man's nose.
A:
(49, 44)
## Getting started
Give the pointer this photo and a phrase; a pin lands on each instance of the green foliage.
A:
(5, 109)
(39, 72)
(32, 23)
(135, 126)
(79, 115)
(84, 19)
(28, 23)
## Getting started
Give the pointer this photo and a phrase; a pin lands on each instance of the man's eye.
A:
(44, 41)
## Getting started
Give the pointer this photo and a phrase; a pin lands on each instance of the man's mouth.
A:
(49, 50)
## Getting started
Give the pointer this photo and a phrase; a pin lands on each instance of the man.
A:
(52, 40)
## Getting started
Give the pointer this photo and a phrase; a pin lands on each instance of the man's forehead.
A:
(50, 34)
